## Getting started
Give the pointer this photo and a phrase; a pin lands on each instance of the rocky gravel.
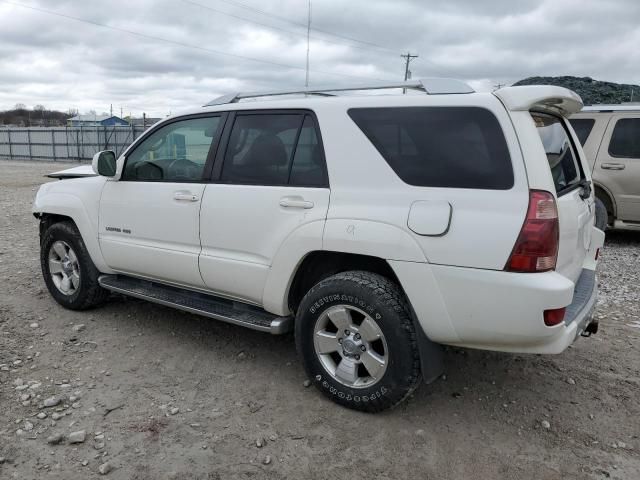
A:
(138, 391)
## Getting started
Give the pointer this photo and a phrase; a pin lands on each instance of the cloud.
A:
(62, 63)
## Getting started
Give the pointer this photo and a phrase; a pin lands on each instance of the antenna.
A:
(306, 80)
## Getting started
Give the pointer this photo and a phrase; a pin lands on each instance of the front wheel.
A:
(358, 341)
(69, 273)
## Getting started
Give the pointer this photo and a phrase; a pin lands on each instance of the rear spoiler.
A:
(75, 172)
(540, 97)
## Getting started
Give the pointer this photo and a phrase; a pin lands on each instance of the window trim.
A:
(215, 140)
(583, 177)
(215, 174)
(613, 130)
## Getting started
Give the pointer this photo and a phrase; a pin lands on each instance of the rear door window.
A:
(274, 149)
(454, 147)
(582, 127)
(261, 148)
(308, 167)
(562, 159)
(625, 139)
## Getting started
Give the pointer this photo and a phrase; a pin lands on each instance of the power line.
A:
(175, 42)
(273, 27)
(300, 24)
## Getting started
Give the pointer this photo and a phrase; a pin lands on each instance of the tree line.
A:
(38, 116)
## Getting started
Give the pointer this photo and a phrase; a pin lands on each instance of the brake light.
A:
(554, 317)
(536, 249)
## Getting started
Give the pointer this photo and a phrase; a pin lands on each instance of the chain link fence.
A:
(64, 144)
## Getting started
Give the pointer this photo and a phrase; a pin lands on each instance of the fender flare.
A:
(361, 237)
(69, 205)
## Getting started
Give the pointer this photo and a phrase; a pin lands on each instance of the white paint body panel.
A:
(78, 199)
(242, 229)
(164, 240)
(239, 242)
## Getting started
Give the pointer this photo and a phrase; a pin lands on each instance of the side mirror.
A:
(104, 163)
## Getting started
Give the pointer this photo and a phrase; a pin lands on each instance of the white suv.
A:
(376, 226)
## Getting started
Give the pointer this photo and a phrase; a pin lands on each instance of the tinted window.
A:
(557, 145)
(274, 149)
(176, 152)
(308, 168)
(625, 139)
(582, 127)
(457, 147)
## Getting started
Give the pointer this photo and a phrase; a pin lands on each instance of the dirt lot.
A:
(164, 394)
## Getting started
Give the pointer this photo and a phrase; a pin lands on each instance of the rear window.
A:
(565, 168)
(455, 147)
(582, 127)
(625, 139)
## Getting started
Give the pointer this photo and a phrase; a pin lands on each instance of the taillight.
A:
(554, 317)
(536, 249)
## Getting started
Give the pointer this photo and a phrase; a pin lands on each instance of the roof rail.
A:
(431, 86)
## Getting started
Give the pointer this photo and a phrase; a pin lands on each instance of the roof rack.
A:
(431, 86)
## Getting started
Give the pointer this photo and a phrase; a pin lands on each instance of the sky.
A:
(162, 56)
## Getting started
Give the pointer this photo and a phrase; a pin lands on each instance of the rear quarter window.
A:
(582, 127)
(454, 147)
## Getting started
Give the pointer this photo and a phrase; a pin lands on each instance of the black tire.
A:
(88, 293)
(602, 217)
(383, 301)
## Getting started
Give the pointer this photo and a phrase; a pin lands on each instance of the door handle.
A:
(612, 166)
(295, 202)
(185, 196)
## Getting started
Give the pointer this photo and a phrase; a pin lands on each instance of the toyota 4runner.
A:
(377, 227)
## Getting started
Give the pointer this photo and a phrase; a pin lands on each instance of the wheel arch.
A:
(52, 207)
(607, 198)
(320, 264)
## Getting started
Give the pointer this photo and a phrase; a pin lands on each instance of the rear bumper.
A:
(499, 311)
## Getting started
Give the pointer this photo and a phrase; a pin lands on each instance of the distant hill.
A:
(592, 91)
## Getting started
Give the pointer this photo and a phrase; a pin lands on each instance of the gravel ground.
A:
(148, 392)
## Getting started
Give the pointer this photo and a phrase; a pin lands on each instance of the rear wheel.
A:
(69, 273)
(602, 217)
(357, 341)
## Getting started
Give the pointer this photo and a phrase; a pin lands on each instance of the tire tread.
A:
(391, 296)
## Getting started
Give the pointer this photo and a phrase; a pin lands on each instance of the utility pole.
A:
(111, 110)
(120, 112)
(407, 73)
(306, 80)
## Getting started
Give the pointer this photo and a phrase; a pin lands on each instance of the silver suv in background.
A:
(610, 137)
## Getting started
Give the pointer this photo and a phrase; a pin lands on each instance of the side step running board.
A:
(198, 303)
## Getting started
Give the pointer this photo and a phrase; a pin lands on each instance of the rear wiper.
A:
(586, 188)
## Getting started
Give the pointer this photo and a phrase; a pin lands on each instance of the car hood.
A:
(75, 172)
